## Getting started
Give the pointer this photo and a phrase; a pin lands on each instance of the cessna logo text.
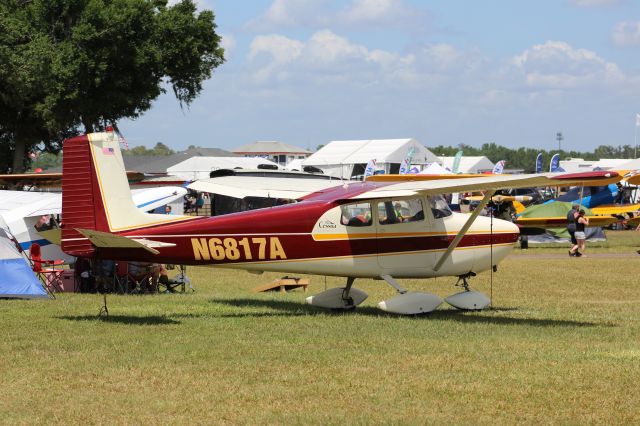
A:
(326, 224)
(257, 248)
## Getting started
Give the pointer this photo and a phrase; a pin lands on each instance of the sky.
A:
(306, 72)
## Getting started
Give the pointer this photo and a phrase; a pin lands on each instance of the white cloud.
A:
(626, 34)
(291, 14)
(328, 58)
(557, 65)
(397, 14)
(595, 3)
(277, 51)
(228, 43)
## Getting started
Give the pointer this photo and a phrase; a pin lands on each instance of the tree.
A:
(71, 64)
(159, 149)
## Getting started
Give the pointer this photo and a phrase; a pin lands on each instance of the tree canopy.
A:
(67, 65)
(525, 158)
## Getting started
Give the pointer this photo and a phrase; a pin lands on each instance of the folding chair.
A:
(175, 284)
(48, 271)
(121, 277)
(144, 277)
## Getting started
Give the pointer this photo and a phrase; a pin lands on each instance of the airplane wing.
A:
(407, 186)
(615, 209)
(633, 178)
(249, 186)
(19, 204)
(561, 222)
(151, 198)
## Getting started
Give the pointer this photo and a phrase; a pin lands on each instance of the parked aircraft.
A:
(24, 210)
(374, 229)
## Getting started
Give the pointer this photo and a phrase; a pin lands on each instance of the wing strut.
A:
(454, 243)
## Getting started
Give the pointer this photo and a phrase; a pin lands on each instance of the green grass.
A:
(562, 345)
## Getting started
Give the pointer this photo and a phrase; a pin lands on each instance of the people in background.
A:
(581, 222)
(571, 228)
(199, 202)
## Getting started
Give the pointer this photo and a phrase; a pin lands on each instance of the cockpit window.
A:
(399, 211)
(356, 214)
(439, 207)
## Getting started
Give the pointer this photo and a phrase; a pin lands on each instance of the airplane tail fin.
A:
(96, 194)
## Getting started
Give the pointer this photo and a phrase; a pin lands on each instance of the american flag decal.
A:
(108, 151)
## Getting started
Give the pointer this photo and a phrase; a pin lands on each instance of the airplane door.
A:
(403, 236)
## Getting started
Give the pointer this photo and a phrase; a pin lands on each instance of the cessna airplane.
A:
(374, 229)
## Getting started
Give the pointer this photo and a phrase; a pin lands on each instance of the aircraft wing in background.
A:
(250, 186)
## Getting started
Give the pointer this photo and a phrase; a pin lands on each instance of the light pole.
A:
(559, 138)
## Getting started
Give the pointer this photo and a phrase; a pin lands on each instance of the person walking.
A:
(581, 222)
(571, 228)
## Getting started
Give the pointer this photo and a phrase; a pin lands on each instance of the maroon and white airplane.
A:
(381, 230)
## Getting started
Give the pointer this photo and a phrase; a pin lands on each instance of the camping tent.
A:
(347, 159)
(559, 235)
(17, 280)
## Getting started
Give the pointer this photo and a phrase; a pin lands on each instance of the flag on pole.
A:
(637, 120)
(406, 163)
(456, 162)
(539, 163)
(554, 165)
(371, 168)
(121, 138)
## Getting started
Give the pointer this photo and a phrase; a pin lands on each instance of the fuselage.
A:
(315, 236)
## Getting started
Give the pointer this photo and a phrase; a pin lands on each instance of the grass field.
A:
(561, 345)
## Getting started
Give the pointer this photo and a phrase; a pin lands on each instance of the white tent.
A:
(435, 169)
(469, 164)
(629, 165)
(196, 168)
(345, 159)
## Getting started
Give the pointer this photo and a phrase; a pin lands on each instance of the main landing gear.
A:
(468, 300)
(405, 303)
(344, 298)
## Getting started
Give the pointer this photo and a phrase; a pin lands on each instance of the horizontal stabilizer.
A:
(54, 236)
(108, 240)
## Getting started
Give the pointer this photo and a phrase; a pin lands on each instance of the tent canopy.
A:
(435, 169)
(338, 158)
(469, 164)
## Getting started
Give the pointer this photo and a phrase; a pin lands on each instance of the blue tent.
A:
(17, 279)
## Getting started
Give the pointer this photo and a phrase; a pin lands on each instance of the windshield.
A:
(439, 207)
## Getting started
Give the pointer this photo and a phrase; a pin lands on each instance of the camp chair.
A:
(175, 284)
(143, 277)
(48, 271)
(121, 277)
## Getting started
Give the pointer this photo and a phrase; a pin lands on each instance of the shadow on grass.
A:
(123, 319)
(287, 308)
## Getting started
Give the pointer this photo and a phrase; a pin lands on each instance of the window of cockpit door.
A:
(402, 234)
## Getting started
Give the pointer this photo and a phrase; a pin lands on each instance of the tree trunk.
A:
(18, 155)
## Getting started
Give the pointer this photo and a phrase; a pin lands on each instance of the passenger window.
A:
(439, 207)
(399, 211)
(356, 214)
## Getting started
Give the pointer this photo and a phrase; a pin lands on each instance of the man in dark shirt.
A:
(571, 226)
